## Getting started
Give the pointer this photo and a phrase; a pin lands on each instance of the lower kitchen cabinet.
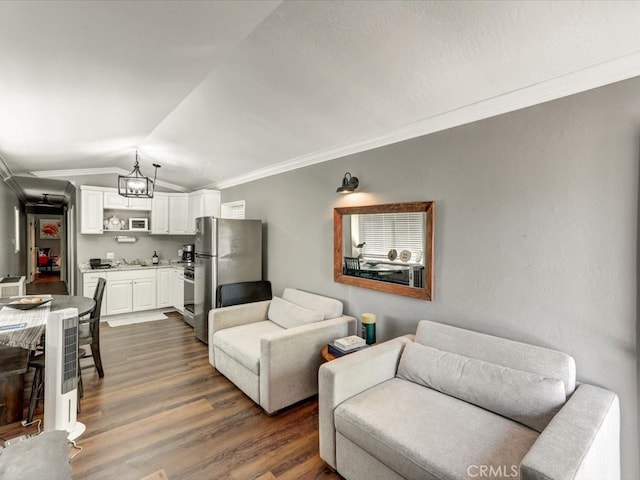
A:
(165, 286)
(137, 290)
(144, 292)
(119, 296)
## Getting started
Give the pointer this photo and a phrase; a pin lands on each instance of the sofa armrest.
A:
(290, 358)
(346, 377)
(233, 316)
(236, 315)
(581, 442)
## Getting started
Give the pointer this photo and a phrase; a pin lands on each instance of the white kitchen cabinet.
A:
(119, 296)
(203, 203)
(91, 210)
(164, 285)
(114, 201)
(144, 293)
(171, 213)
(89, 284)
(179, 214)
(160, 214)
(131, 291)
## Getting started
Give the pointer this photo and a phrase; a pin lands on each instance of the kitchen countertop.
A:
(85, 267)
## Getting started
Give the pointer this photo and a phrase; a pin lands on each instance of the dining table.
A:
(23, 328)
(20, 333)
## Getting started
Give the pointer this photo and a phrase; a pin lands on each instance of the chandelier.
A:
(135, 184)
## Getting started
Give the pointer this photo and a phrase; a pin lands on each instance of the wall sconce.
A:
(349, 184)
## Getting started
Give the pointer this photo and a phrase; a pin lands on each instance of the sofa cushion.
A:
(521, 396)
(501, 351)
(243, 342)
(330, 307)
(289, 315)
(432, 435)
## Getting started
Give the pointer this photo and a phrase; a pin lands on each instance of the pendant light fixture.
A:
(136, 185)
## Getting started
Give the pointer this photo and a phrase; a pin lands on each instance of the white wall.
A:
(11, 263)
(536, 232)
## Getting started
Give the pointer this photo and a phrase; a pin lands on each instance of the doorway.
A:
(46, 246)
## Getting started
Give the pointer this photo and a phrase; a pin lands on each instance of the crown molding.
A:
(595, 76)
(5, 171)
(7, 176)
(100, 171)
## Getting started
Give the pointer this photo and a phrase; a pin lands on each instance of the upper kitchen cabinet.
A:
(170, 213)
(175, 213)
(160, 213)
(203, 203)
(115, 201)
(91, 208)
(179, 214)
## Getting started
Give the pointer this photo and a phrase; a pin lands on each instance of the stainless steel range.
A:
(189, 292)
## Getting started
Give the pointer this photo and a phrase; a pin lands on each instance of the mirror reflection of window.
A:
(378, 234)
(386, 247)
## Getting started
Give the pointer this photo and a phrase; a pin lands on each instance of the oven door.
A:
(189, 309)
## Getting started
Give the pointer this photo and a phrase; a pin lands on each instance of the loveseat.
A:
(451, 403)
(271, 350)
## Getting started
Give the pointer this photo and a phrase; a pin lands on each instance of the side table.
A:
(326, 355)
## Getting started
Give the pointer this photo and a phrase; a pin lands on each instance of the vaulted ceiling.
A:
(223, 92)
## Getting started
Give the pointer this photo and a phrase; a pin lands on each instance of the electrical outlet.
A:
(110, 256)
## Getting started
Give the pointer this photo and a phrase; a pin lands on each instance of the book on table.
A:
(350, 342)
(336, 351)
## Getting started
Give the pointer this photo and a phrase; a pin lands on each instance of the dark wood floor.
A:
(162, 407)
(47, 285)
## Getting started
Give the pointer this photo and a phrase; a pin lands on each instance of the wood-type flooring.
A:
(162, 407)
(49, 285)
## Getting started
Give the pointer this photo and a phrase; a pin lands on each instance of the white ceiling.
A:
(220, 93)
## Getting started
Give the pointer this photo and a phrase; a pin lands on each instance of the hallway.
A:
(48, 284)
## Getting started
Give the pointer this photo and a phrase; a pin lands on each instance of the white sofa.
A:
(453, 404)
(271, 350)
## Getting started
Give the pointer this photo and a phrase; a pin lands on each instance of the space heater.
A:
(61, 373)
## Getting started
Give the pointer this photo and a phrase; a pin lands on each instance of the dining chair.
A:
(352, 265)
(89, 332)
(36, 361)
(44, 258)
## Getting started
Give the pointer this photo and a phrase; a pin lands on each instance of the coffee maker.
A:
(188, 252)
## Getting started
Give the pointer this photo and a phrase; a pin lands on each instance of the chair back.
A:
(43, 256)
(351, 264)
(243, 292)
(94, 318)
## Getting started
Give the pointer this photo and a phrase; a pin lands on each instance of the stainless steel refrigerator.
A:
(227, 251)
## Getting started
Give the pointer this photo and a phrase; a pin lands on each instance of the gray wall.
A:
(536, 232)
(11, 263)
(97, 246)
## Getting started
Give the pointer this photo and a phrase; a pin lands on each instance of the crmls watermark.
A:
(492, 471)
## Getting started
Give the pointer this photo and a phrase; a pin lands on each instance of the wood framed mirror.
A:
(388, 248)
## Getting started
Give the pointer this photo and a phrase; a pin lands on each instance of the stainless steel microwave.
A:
(138, 224)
